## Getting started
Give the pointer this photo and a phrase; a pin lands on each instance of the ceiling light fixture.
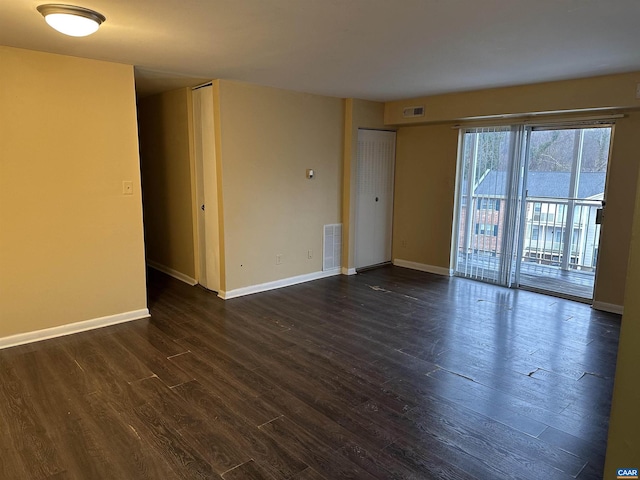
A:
(71, 20)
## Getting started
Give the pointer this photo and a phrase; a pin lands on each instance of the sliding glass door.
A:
(528, 198)
(564, 182)
(489, 185)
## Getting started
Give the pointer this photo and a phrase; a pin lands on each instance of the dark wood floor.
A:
(390, 374)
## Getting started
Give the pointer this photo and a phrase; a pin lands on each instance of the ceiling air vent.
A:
(411, 112)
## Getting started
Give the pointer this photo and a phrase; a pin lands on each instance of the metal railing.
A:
(481, 230)
(561, 232)
(557, 232)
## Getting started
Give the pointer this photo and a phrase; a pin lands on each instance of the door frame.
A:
(206, 188)
(604, 209)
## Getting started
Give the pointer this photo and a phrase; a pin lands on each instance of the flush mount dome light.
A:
(71, 20)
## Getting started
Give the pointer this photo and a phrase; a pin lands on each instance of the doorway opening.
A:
(530, 201)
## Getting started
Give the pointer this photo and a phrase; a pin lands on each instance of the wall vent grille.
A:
(411, 112)
(332, 246)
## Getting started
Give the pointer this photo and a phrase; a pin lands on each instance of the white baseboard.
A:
(285, 282)
(68, 329)
(608, 307)
(447, 272)
(348, 271)
(172, 273)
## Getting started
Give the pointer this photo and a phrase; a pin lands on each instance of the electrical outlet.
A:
(310, 254)
(278, 259)
(637, 90)
(403, 243)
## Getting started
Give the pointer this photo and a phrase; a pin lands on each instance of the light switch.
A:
(127, 187)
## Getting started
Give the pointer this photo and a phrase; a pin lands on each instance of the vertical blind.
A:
(488, 205)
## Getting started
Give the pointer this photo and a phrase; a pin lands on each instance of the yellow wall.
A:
(165, 158)
(615, 237)
(71, 244)
(267, 140)
(358, 114)
(605, 92)
(428, 233)
(424, 186)
(623, 448)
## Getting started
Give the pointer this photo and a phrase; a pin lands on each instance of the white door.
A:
(374, 202)
(206, 188)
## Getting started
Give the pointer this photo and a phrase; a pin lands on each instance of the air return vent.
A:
(411, 112)
(332, 248)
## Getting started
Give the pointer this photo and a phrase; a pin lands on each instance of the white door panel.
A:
(374, 200)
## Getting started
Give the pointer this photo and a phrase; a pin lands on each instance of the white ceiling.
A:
(370, 49)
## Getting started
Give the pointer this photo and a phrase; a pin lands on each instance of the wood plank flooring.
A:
(389, 374)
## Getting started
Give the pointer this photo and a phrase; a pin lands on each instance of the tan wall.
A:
(424, 194)
(71, 244)
(166, 180)
(621, 193)
(358, 114)
(605, 92)
(623, 448)
(417, 144)
(267, 140)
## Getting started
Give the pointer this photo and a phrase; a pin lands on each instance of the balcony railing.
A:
(561, 232)
(558, 232)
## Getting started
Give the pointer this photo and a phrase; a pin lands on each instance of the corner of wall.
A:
(347, 187)
(217, 125)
